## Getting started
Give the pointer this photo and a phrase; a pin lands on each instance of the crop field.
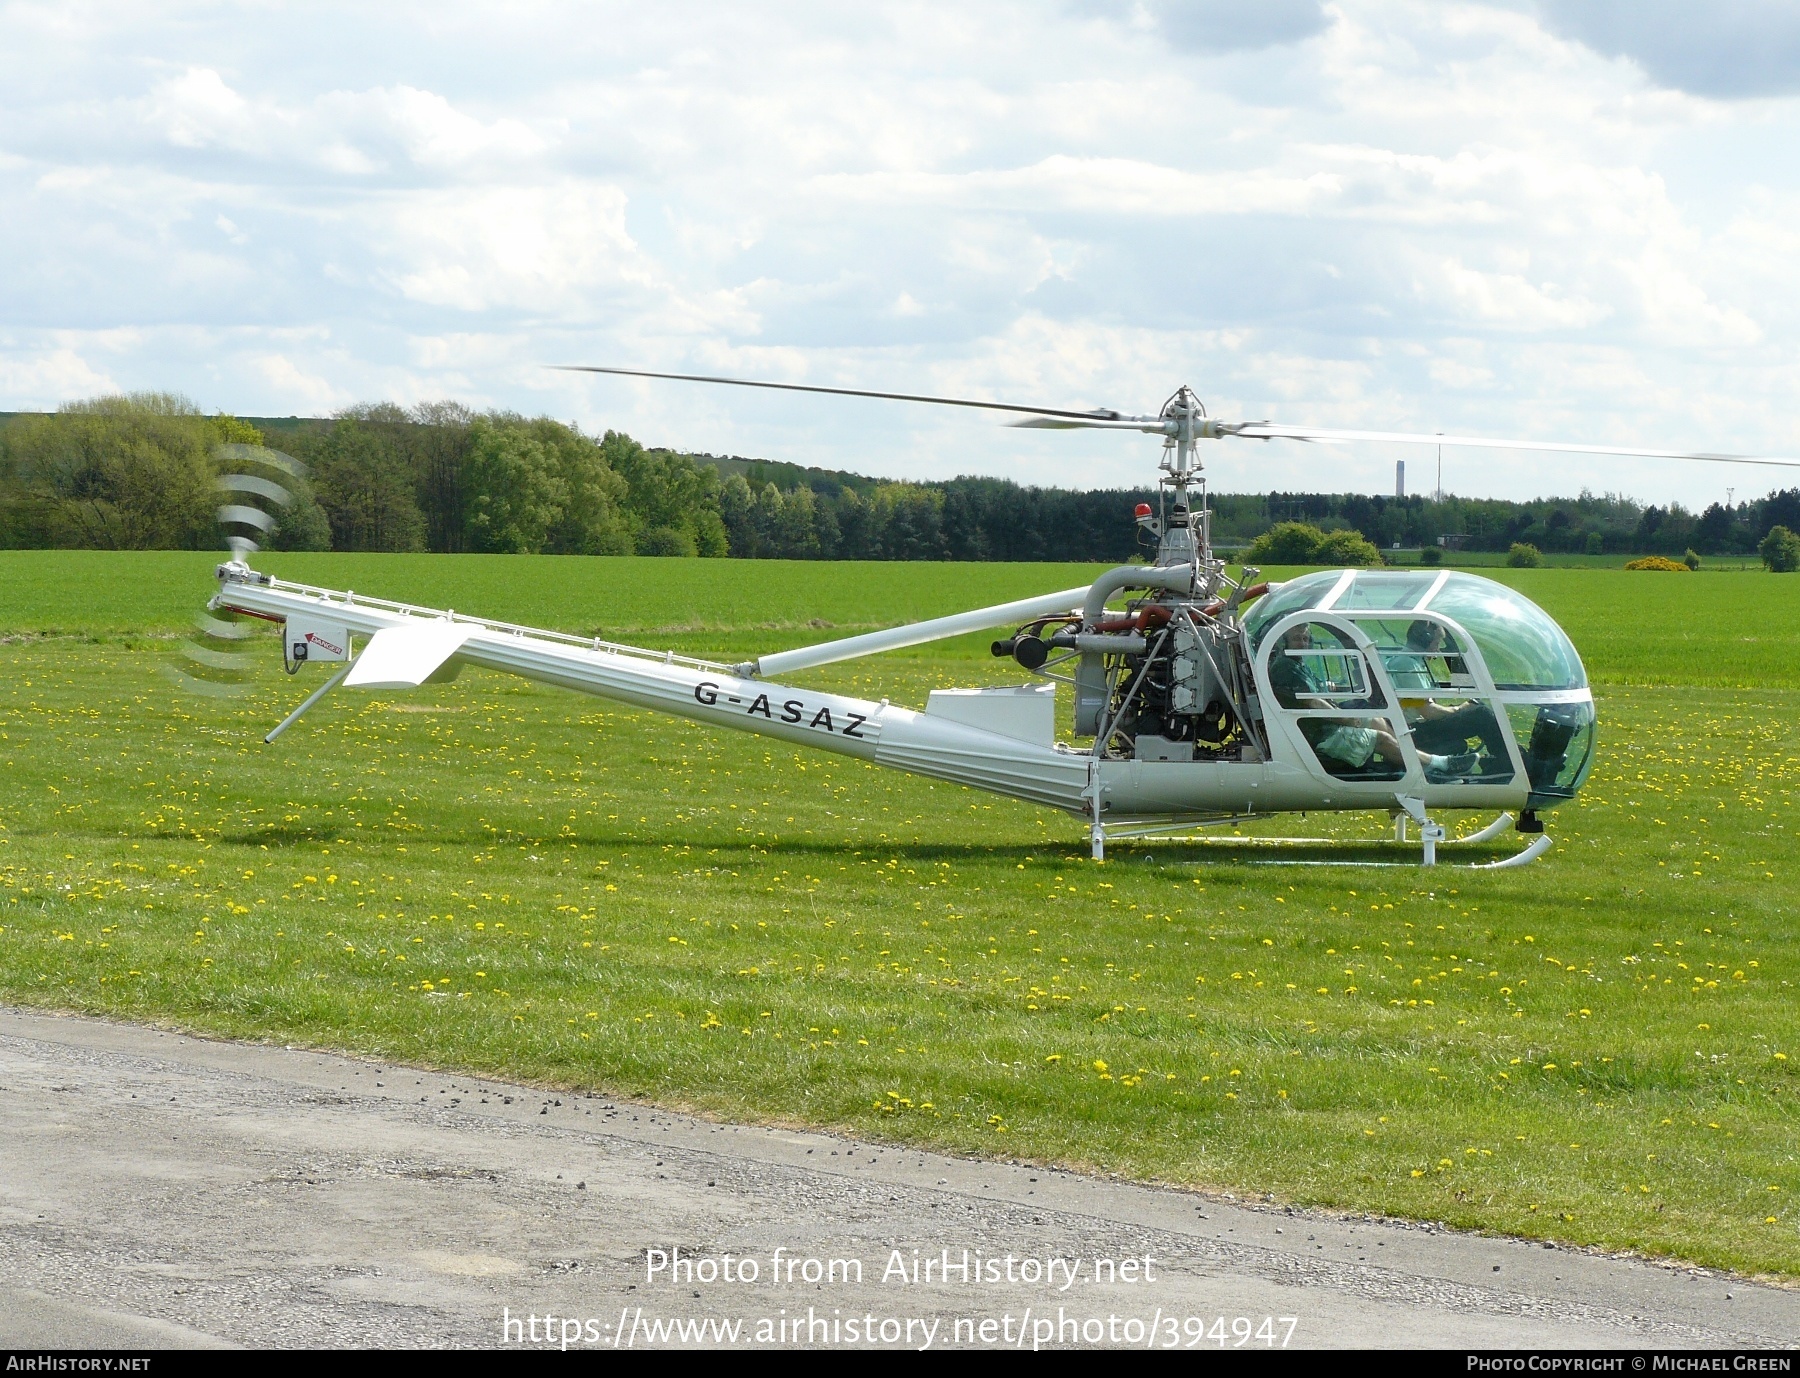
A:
(1603, 1048)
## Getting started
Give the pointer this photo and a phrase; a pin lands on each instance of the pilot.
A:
(1301, 677)
(1292, 677)
(1438, 727)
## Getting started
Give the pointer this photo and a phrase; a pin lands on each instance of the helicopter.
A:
(1203, 700)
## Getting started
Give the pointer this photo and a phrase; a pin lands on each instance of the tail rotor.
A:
(253, 501)
(214, 660)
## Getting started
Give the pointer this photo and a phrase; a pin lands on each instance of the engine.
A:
(1166, 682)
(1172, 702)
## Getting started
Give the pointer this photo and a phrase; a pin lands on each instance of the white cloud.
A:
(1122, 187)
(350, 133)
(1509, 300)
(1458, 374)
(198, 110)
(520, 248)
(41, 375)
(1726, 48)
(303, 393)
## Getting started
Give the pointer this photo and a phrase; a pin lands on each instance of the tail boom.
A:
(701, 691)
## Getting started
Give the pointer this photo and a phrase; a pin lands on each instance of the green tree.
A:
(302, 523)
(539, 486)
(1286, 543)
(665, 489)
(825, 530)
(908, 522)
(1523, 556)
(118, 473)
(517, 494)
(1346, 548)
(667, 540)
(710, 541)
(440, 440)
(593, 516)
(737, 509)
(856, 526)
(365, 484)
(768, 514)
(799, 535)
(1780, 551)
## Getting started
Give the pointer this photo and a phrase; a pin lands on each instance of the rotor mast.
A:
(1187, 529)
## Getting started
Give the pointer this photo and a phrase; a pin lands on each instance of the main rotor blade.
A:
(1053, 418)
(1269, 430)
(1154, 425)
(1090, 416)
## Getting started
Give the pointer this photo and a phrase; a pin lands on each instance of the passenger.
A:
(1438, 727)
(1355, 744)
(1414, 668)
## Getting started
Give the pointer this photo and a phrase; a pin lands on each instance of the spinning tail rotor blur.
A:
(255, 489)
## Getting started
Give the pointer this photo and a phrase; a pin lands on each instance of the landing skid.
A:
(1428, 845)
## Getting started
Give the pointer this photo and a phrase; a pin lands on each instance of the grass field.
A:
(489, 875)
(97, 592)
(1731, 630)
(1487, 560)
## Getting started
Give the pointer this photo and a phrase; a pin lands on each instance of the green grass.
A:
(1601, 1048)
(1486, 560)
(1732, 630)
(104, 592)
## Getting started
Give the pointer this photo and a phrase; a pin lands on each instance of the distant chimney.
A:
(1399, 478)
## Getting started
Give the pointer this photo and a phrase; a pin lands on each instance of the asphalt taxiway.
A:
(159, 1189)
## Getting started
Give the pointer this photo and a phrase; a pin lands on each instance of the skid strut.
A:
(306, 703)
(1097, 829)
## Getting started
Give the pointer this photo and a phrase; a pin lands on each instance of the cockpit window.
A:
(1420, 653)
(1314, 665)
(1383, 589)
(1523, 648)
(1557, 741)
(1304, 592)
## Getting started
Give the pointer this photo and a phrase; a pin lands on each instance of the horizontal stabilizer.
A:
(406, 657)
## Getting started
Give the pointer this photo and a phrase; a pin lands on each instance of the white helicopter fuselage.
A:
(1002, 740)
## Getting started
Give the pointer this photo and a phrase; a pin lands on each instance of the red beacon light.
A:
(1141, 511)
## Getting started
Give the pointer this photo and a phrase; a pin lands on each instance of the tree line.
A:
(1591, 524)
(140, 472)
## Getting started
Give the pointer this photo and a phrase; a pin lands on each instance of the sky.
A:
(1552, 219)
